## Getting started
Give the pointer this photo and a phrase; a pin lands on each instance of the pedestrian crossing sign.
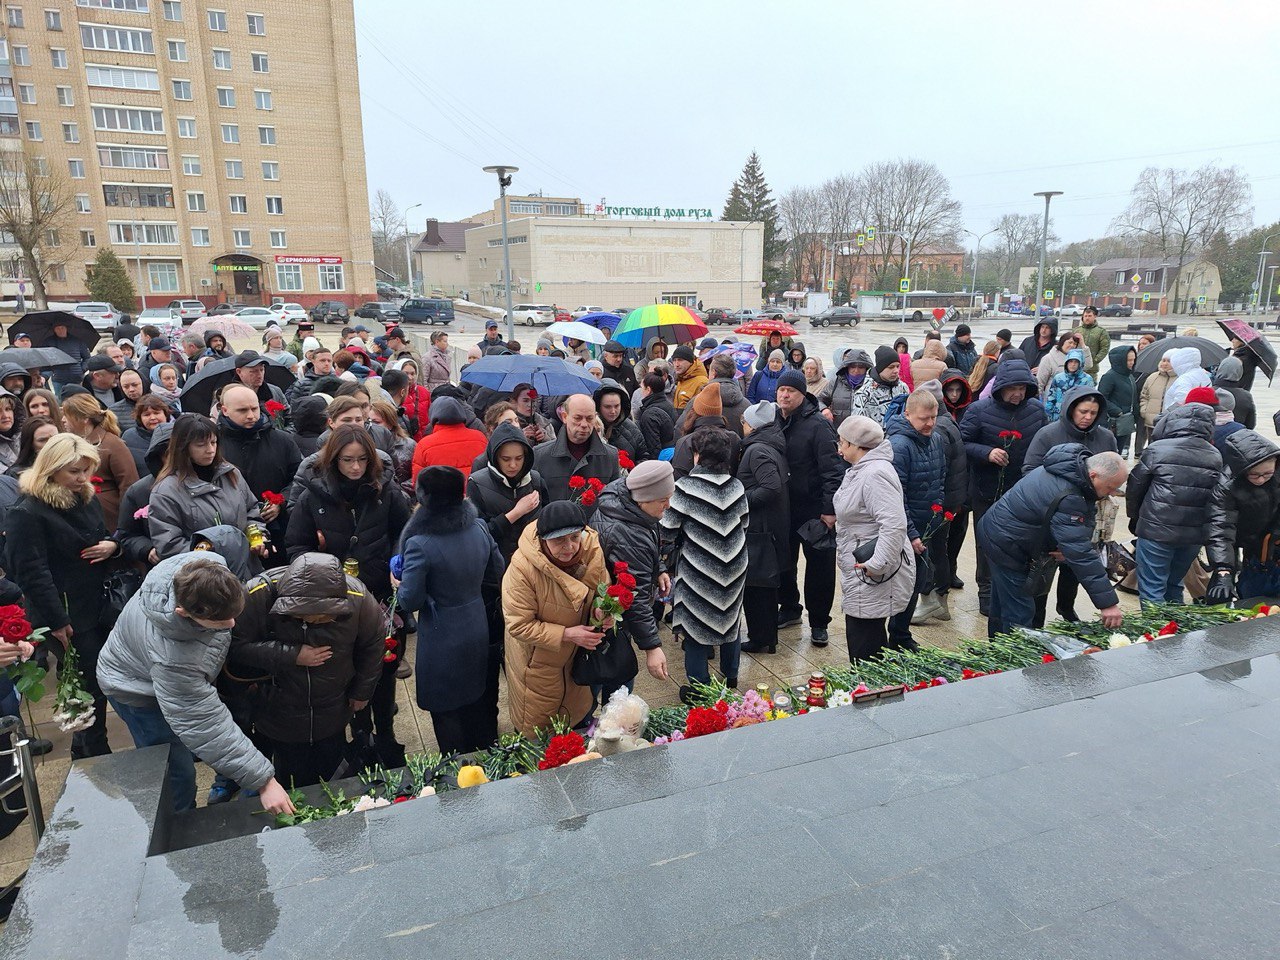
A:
(904, 285)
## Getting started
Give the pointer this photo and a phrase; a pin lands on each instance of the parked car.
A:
(381, 310)
(745, 315)
(103, 316)
(776, 313)
(222, 309)
(287, 313)
(583, 311)
(1072, 310)
(188, 311)
(161, 317)
(330, 311)
(621, 311)
(424, 310)
(532, 313)
(837, 316)
(1116, 310)
(257, 317)
(389, 292)
(715, 315)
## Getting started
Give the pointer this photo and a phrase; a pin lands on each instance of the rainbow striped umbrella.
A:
(666, 321)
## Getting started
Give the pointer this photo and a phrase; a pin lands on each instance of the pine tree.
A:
(735, 208)
(108, 280)
(751, 200)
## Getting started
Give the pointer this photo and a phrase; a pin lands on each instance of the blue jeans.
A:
(1257, 580)
(695, 659)
(1011, 606)
(1161, 567)
(148, 728)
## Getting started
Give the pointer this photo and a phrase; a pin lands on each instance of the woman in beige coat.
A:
(551, 579)
(932, 363)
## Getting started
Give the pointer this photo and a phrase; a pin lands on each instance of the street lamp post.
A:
(1257, 283)
(973, 288)
(1062, 294)
(1164, 273)
(1271, 283)
(504, 173)
(1044, 242)
(137, 242)
(408, 258)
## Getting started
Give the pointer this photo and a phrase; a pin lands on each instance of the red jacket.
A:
(417, 404)
(449, 445)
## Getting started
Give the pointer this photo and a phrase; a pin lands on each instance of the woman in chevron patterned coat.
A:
(708, 521)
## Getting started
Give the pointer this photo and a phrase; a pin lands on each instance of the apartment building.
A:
(216, 146)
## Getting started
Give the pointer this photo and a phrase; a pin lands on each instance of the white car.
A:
(583, 311)
(103, 316)
(187, 311)
(289, 312)
(1072, 310)
(532, 313)
(257, 317)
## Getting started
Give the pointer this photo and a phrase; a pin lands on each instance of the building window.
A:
(270, 170)
(226, 97)
(42, 166)
(275, 205)
(242, 238)
(267, 136)
(33, 130)
(230, 133)
(235, 169)
(76, 169)
(187, 128)
(133, 6)
(58, 272)
(52, 20)
(239, 203)
(191, 165)
(260, 64)
(21, 56)
(262, 99)
(222, 59)
(133, 158)
(218, 20)
(27, 92)
(172, 10)
(71, 133)
(1119, 278)
(137, 195)
(65, 97)
(331, 278)
(178, 51)
(163, 277)
(94, 37)
(161, 234)
(288, 277)
(58, 57)
(14, 16)
(1149, 277)
(8, 124)
(195, 202)
(6, 87)
(278, 239)
(518, 206)
(131, 119)
(257, 25)
(121, 78)
(82, 203)
(200, 236)
(87, 239)
(181, 89)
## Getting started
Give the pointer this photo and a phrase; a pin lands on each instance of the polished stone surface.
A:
(1120, 805)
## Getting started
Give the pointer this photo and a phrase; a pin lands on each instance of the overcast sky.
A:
(658, 103)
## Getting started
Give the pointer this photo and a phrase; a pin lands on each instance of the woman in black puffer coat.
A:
(503, 492)
(765, 474)
(1246, 521)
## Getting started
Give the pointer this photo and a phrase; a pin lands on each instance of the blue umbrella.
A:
(601, 321)
(550, 376)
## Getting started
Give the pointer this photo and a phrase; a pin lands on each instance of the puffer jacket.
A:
(764, 385)
(873, 397)
(1186, 364)
(921, 465)
(630, 535)
(955, 491)
(266, 457)
(1246, 515)
(306, 704)
(1174, 487)
(732, 403)
(1012, 530)
(556, 464)
(232, 546)
(657, 422)
(494, 495)
(451, 442)
(366, 530)
(309, 422)
(1227, 377)
(1116, 385)
(963, 355)
(624, 433)
(437, 368)
(763, 470)
(688, 385)
(1051, 365)
(869, 505)
(156, 658)
(932, 363)
(178, 508)
(815, 464)
(1099, 343)
(1032, 349)
(767, 348)
(1097, 439)
(1064, 382)
(1151, 396)
(839, 393)
(133, 534)
(138, 441)
(538, 601)
(986, 419)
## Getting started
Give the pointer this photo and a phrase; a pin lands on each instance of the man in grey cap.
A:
(251, 370)
(617, 368)
(103, 379)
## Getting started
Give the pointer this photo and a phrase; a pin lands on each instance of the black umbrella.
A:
(39, 327)
(36, 358)
(197, 394)
(1255, 341)
(1149, 357)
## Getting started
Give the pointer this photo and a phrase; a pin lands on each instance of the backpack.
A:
(896, 407)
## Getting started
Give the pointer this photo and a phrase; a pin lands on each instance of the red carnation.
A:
(625, 461)
(390, 643)
(270, 496)
(562, 748)
(14, 630)
(588, 498)
(596, 484)
(400, 800)
(948, 516)
(1048, 658)
(1006, 434)
(388, 657)
(1168, 630)
(576, 482)
(97, 483)
(1016, 434)
(721, 707)
(273, 407)
(704, 720)
(936, 508)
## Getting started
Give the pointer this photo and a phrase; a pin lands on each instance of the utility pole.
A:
(504, 180)
(408, 258)
(1044, 242)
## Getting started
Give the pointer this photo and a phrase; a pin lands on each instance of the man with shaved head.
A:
(578, 450)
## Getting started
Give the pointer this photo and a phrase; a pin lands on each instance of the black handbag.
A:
(1042, 568)
(117, 590)
(762, 559)
(614, 661)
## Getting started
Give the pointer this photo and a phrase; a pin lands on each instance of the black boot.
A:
(752, 647)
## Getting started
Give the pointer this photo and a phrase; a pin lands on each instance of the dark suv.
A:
(424, 310)
(840, 316)
(329, 311)
(717, 315)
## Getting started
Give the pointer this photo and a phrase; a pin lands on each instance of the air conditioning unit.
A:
(457, 256)
(206, 282)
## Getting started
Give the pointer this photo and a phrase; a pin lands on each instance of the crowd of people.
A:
(242, 581)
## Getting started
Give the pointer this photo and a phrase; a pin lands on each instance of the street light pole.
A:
(137, 244)
(1044, 242)
(1164, 273)
(408, 258)
(504, 180)
(1271, 283)
(1062, 294)
(1257, 283)
(977, 247)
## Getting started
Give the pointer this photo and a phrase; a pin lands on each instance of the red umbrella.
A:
(764, 327)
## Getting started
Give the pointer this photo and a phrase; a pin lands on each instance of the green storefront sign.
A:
(664, 213)
(237, 268)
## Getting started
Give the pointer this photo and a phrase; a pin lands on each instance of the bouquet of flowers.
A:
(946, 516)
(27, 676)
(585, 491)
(625, 462)
(276, 411)
(613, 601)
(73, 704)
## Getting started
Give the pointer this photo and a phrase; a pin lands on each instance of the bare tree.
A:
(843, 208)
(389, 230)
(1179, 211)
(906, 200)
(1015, 244)
(802, 217)
(37, 208)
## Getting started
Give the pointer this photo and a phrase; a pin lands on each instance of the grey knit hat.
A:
(861, 432)
(934, 387)
(651, 480)
(760, 414)
(1226, 399)
(778, 355)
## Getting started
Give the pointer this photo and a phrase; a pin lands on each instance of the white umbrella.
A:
(577, 330)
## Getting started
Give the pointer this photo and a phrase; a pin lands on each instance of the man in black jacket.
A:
(656, 416)
(816, 474)
(617, 368)
(73, 348)
(268, 458)
(1020, 527)
(577, 450)
(251, 370)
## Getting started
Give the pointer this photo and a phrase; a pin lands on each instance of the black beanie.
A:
(963, 330)
(683, 352)
(1006, 335)
(791, 377)
(440, 485)
(884, 357)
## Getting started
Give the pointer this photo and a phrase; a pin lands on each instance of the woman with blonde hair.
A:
(978, 375)
(40, 402)
(10, 428)
(116, 466)
(56, 551)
